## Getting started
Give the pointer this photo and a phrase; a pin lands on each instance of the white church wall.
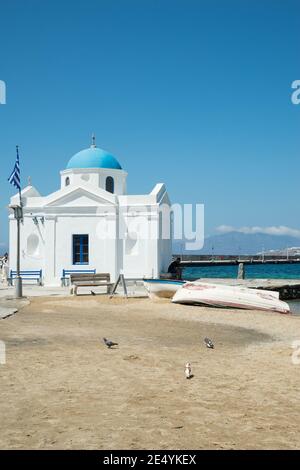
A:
(164, 255)
(32, 244)
(95, 178)
(101, 250)
(140, 246)
(12, 242)
(119, 177)
(165, 231)
(50, 276)
(141, 262)
(77, 178)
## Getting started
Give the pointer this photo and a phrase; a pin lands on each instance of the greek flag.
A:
(14, 178)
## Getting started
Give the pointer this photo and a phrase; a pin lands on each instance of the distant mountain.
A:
(235, 243)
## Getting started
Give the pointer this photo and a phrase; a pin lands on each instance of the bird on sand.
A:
(209, 343)
(93, 293)
(109, 343)
(188, 371)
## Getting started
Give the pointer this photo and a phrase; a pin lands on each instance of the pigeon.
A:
(209, 343)
(188, 370)
(93, 293)
(109, 343)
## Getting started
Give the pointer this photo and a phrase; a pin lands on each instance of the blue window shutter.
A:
(80, 249)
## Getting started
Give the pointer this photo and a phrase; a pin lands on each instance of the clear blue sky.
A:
(194, 93)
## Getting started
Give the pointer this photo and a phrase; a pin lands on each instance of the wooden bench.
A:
(90, 280)
(28, 275)
(67, 273)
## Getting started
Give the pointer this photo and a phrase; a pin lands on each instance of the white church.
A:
(91, 224)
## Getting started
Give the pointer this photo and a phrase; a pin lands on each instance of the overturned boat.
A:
(163, 288)
(218, 295)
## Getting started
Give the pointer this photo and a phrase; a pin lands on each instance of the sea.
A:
(252, 271)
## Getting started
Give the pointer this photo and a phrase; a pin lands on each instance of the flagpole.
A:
(18, 279)
(19, 217)
(15, 180)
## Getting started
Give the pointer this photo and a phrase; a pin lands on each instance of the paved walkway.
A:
(7, 312)
(9, 305)
(34, 291)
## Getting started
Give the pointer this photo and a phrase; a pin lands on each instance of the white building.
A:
(91, 223)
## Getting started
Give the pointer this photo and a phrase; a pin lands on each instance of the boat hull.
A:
(230, 296)
(162, 288)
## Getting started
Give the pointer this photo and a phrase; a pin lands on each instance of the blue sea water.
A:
(252, 271)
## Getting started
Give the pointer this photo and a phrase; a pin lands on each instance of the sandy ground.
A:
(61, 388)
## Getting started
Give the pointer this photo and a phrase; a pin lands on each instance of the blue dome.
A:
(94, 157)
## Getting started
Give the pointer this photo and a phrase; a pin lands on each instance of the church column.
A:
(153, 244)
(111, 245)
(12, 242)
(50, 275)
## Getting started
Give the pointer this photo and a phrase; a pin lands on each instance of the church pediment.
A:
(79, 197)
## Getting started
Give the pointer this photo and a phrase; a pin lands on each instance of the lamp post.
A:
(18, 213)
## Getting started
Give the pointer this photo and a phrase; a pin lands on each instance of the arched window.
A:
(110, 185)
(67, 181)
